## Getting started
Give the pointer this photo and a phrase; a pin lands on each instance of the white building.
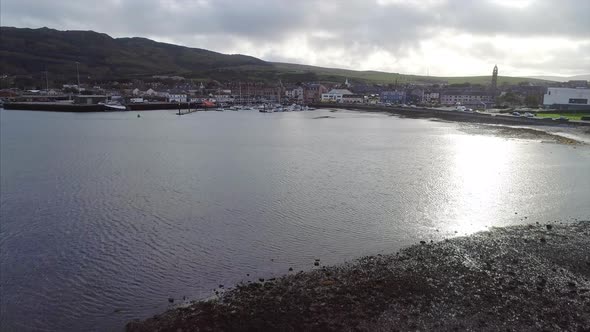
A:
(177, 98)
(353, 99)
(335, 95)
(565, 98)
(296, 93)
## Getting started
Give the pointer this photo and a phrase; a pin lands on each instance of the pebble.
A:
(171, 299)
(549, 227)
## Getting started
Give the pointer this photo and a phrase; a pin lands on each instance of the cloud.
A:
(443, 37)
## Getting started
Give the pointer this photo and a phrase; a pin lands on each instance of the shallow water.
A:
(105, 216)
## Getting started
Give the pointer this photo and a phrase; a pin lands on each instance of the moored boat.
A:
(113, 106)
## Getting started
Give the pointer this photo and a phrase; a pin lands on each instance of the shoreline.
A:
(527, 277)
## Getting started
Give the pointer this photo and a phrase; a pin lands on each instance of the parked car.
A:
(515, 113)
(529, 115)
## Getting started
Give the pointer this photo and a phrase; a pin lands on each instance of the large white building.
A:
(335, 95)
(567, 98)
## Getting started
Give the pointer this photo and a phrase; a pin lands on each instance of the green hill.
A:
(30, 52)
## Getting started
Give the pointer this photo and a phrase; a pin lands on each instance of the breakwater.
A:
(81, 108)
(452, 115)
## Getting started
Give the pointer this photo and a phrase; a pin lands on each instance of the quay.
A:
(81, 108)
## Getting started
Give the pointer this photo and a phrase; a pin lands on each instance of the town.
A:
(178, 92)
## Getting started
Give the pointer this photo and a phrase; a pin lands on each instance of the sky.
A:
(423, 37)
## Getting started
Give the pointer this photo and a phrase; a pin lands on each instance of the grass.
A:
(571, 116)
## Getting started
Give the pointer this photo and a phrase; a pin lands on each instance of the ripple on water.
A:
(104, 219)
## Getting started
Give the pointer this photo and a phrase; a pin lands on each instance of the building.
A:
(353, 99)
(295, 94)
(465, 98)
(335, 95)
(567, 98)
(312, 93)
(431, 97)
(177, 98)
(393, 97)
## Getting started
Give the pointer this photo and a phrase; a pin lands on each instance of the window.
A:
(578, 101)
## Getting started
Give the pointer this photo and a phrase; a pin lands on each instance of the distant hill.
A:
(339, 75)
(585, 77)
(30, 52)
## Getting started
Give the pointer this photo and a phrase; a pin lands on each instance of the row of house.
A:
(413, 96)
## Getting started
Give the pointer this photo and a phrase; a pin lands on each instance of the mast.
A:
(78, 74)
(46, 81)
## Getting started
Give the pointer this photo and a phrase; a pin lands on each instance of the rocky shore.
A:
(524, 278)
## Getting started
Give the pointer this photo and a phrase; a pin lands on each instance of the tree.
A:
(532, 100)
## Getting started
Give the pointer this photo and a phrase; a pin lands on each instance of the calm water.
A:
(106, 216)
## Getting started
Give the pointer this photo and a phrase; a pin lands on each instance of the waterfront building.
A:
(312, 92)
(335, 95)
(431, 97)
(567, 98)
(393, 97)
(475, 98)
(177, 98)
(294, 94)
(353, 99)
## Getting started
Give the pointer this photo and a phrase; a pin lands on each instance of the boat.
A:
(113, 105)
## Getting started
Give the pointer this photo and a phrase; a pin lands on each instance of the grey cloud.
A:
(358, 26)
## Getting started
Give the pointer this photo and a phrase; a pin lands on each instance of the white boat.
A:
(113, 106)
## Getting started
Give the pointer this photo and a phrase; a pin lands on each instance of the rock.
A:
(422, 242)
(290, 269)
(327, 282)
(316, 263)
(549, 227)
(543, 240)
(261, 279)
(171, 299)
(220, 286)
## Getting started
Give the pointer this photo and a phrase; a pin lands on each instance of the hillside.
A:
(30, 52)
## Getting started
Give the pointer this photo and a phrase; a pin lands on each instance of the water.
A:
(106, 216)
